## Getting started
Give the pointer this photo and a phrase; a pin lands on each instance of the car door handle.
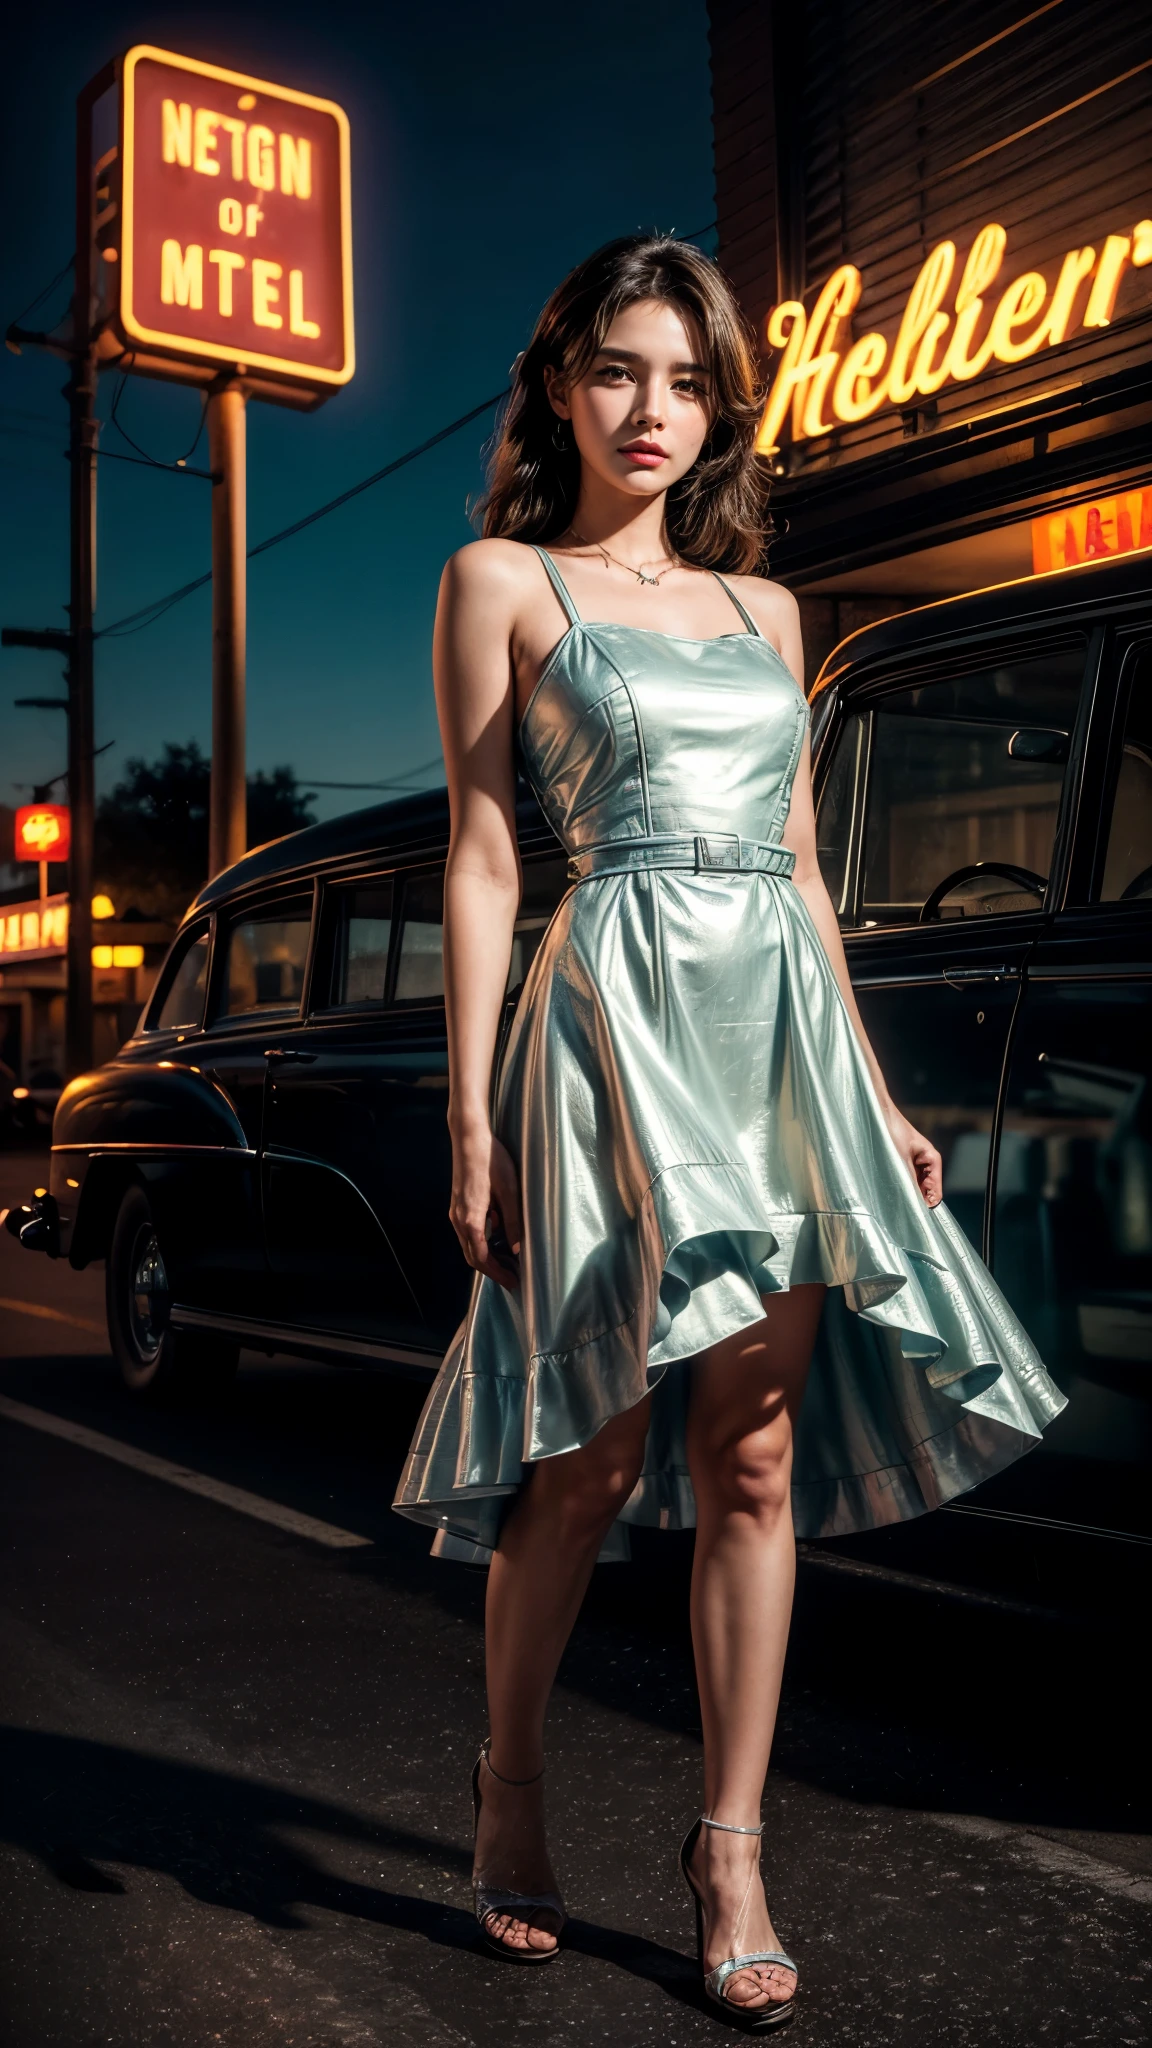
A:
(289, 1052)
(999, 972)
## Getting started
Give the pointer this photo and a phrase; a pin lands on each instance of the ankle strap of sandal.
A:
(486, 1753)
(726, 1827)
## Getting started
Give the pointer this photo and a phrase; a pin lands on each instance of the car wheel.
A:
(153, 1358)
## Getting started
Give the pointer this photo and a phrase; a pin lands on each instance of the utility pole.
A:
(81, 392)
(227, 457)
(133, 208)
(82, 439)
(77, 643)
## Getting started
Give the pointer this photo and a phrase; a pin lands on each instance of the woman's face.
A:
(641, 413)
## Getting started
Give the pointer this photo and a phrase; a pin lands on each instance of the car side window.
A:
(265, 954)
(186, 981)
(837, 815)
(420, 963)
(545, 883)
(361, 941)
(958, 782)
(1128, 863)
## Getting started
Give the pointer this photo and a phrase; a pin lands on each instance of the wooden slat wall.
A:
(919, 119)
(745, 151)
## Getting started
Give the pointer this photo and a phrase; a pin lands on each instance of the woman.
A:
(699, 1225)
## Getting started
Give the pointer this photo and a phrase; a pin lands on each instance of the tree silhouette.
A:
(152, 828)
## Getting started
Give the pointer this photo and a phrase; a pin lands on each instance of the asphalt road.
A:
(235, 1803)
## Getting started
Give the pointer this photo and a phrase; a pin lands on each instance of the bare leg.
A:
(537, 1581)
(746, 1395)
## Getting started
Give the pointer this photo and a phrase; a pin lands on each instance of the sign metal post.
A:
(214, 249)
(227, 809)
(231, 249)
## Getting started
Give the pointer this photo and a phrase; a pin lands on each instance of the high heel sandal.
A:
(755, 2019)
(520, 1905)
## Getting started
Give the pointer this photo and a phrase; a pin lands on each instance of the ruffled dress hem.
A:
(964, 1394)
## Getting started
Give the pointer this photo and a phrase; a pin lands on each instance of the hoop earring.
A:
(558, 440)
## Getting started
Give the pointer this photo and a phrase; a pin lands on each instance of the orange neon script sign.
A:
(824, 388)
(235, 236)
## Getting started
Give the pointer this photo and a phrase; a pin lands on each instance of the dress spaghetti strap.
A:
(558, 585)
(749, 621)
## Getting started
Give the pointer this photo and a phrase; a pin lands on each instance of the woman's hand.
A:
(919, 1155)
(485, 1206)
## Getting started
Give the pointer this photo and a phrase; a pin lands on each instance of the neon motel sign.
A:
(235, 234)
(823, 388)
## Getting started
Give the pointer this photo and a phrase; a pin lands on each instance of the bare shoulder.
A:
(777, 614)
(774, 608)
(495, 569)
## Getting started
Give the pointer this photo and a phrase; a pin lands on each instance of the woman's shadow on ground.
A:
(77, 1805)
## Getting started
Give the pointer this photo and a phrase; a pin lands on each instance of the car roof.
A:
(416, 827)
(400, 833)
(1073, 592)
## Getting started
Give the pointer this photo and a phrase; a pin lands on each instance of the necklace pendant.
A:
(653, 580)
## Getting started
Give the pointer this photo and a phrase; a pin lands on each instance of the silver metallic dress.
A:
(695, 1129)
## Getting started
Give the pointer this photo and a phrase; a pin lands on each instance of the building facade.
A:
(126, 959)
(938, 221)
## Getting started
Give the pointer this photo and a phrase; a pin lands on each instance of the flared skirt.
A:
(695, 1129)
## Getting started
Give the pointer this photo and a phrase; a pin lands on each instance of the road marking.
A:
(216, 1490)
(1057, 1859)
(51, 1315)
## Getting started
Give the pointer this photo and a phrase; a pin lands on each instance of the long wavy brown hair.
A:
(714, 515)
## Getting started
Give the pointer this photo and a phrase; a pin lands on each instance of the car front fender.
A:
(114, 1125)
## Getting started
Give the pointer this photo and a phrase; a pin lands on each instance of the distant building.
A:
(127, 953)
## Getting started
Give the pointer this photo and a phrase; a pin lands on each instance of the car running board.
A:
(261, 1336)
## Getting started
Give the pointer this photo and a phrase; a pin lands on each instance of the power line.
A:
(178, 461)
(61, 274)
(377, 477)
(401, 782)
(149, 613)
(135, 622)
(177, 468)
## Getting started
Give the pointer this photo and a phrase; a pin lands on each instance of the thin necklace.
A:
(609, 557)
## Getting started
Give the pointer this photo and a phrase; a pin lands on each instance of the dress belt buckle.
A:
(716, 850)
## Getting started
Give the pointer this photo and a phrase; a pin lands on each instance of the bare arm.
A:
(921, 1157)
(475, 702)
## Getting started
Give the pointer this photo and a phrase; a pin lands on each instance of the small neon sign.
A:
(34, 930)
(1090, 533)
(43, 832)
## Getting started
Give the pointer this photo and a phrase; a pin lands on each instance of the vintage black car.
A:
(266, 1162)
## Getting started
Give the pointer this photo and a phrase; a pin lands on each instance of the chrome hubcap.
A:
(148, 1300)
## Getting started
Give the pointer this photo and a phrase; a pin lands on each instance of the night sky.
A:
(493, 146)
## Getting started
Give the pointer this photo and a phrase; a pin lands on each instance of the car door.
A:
(330, 1083)
(369, 1102)
(418, 1161)
(937, 827)
(257, 985)
(1073, 1225)
(202, 1195)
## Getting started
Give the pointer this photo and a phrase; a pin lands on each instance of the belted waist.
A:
(698, 853)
